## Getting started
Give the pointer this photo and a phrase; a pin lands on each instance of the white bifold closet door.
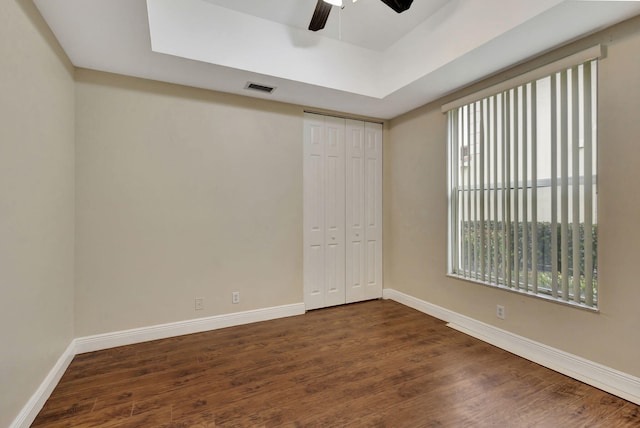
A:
(363, 211)
(342, 211)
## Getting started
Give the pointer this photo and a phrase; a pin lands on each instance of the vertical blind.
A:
(523, 187)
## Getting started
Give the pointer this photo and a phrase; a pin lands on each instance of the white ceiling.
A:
(368, 60)
(351, 24)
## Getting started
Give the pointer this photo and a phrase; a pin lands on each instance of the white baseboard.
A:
(163, 331)
(137, 335)
(602, 377)
(29, 412)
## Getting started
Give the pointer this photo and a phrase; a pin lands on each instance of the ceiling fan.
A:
(323, 7)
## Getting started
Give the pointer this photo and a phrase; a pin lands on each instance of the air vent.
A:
(259, 87)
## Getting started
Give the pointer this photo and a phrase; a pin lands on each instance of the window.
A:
(523, 184)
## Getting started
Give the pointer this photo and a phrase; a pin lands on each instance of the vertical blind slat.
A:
(575, 187)
(534, 186)
(462, 195)
(453, 185)
(458, 194)
(464, 155)
(516, 187)
(495, 187)
(588, 187)
(554, 185)
(471, 200)
(564, 184)
(507, 189)
(476, 204)
(525, 187)
(468, 188)
(482, 191)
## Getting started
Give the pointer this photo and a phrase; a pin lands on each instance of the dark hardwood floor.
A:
(376, 364)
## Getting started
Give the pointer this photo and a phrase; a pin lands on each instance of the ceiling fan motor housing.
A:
(398, 5)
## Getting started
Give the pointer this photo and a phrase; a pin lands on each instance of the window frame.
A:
(455, 162)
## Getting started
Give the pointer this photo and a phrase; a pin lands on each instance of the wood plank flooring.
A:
(372, 364)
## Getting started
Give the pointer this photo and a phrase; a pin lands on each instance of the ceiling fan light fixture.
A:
(334, 2)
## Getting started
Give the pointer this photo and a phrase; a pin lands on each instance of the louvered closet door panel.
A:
(355, 206)
(373, 210)
(314, 219)
(334, 211)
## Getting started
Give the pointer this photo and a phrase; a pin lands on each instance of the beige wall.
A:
(36, 204)
(182, 193)
(416, 220)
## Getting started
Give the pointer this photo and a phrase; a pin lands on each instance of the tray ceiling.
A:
(368, 60)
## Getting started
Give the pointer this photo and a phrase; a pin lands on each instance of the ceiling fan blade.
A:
(398, 5)
(320, 16)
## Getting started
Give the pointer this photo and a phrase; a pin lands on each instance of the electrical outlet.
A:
(500, 312)
(199, 303)
(235, 297)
